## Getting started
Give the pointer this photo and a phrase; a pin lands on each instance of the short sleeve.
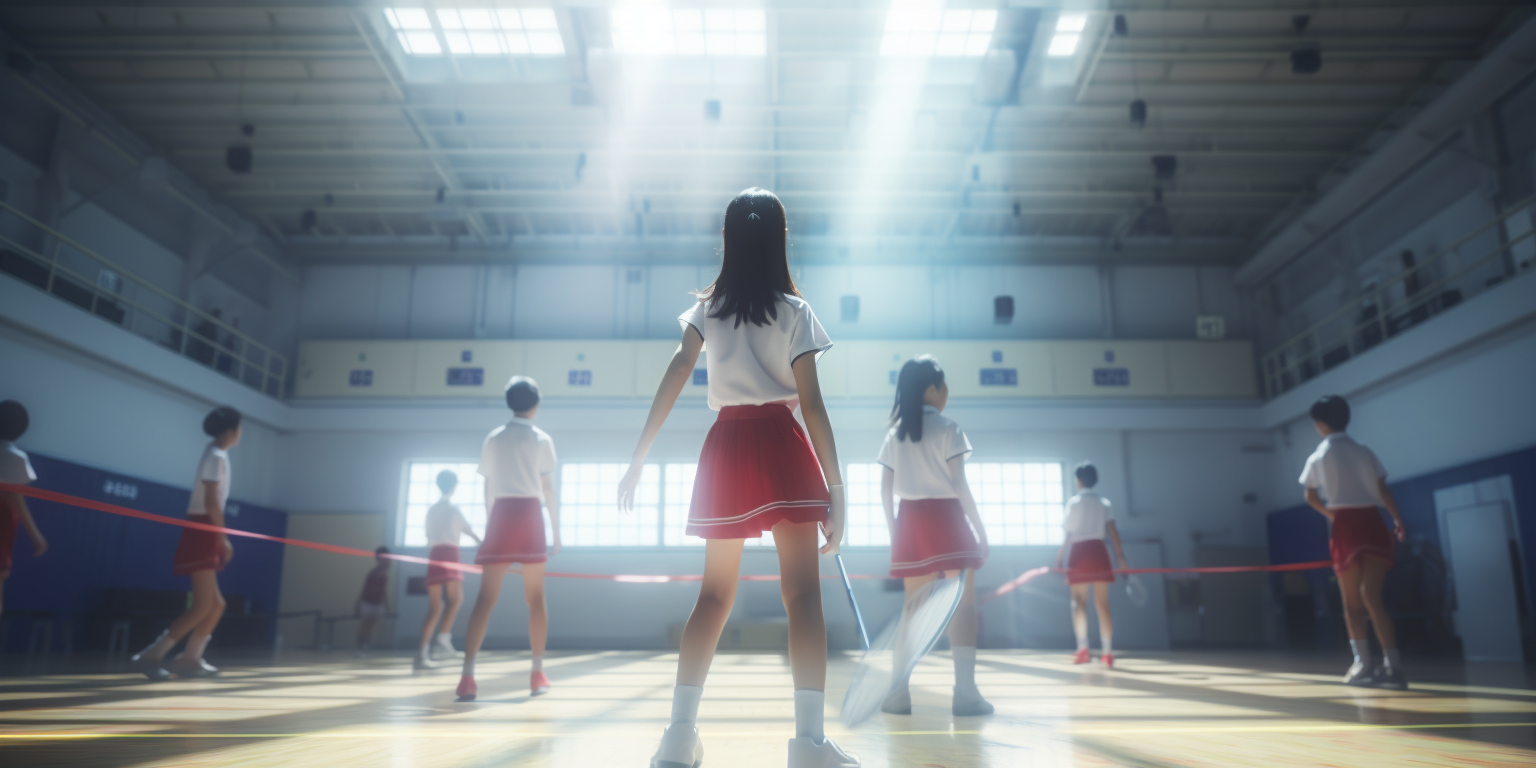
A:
(487, 458)
(1309, 474)
(959, 444)
(887, 457)
(807, 335)
(694, 317)
(546, 456)
(1381, 472)
(213, 469)
(15, 468)
(1109, 510)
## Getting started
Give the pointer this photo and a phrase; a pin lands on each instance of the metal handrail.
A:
(252, 363)
(1309, 347)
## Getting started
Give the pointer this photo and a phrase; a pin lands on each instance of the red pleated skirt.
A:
(1358, 531)
(197, 550)
(1088, 563)
(10, 518)
(932, 536)
(514, 533)
(757, 468)
(437, 574)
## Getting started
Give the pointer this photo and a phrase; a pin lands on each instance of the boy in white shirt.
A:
(445, 526)
(1345, 483)
(16, 469)
(518, 464)
(1088, 524)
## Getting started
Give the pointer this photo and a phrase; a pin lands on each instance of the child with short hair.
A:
(932, 533)
(16, 469)
(1345, 483)
(1088, 523)
(445, 526)
(518, 464)
(200, 555)
(757, 470)
(373, 602)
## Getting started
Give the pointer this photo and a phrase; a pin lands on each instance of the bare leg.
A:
(717, 593)
(962, 628)
(480, 617)
(365, 629)
(1106, 623)
(434, 612)
(454, 592)
(800, 587)
(538, 612)
(207, 608)
(1374, 574)
(1080, 615)
(1354, 605)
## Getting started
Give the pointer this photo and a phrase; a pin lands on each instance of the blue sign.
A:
(999, 377)
(120, 489)
(579, 378)
(700, 377)
(1109, 355)
(467, 356)
(1111, 377)
(360, 377)
(466, 377)
(893, 378)
(997, 355)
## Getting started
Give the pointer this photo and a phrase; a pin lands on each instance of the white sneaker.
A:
(805, 753)
(968, 702)
(444, 647)
(680, 748)
(422, 662)
(898, 702)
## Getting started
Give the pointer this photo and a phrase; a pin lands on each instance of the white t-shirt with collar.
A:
(445, 524)
(749, 364)
(922, 467)
(213, 467)
(15, 467)
(515, 458)
(1088, 517)
(1344, 472)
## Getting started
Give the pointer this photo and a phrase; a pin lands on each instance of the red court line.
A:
(1034, 573)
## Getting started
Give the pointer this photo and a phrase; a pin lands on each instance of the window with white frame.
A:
(925, 28)
(477, 31)
(658, 31)
(1069, 33)
(677, 489)
(421, 492)
(589, 507)
(866, 517)
(1021, 504)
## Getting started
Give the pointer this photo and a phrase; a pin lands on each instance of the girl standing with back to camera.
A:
(757, 471)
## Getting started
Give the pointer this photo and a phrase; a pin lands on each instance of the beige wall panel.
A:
(453, 368)
(582, 368)
(1110, 368)
(356, 369)
(1212, 369)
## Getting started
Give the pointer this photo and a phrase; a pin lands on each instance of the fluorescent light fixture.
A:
(653, 31)
(478, 31)
(924, 28)
(1069, 33)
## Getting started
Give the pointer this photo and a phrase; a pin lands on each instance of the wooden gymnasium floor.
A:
(607, 709)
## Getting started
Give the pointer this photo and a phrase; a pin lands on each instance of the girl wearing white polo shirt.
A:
(758, 470)
(924, 459)
(1088, 524)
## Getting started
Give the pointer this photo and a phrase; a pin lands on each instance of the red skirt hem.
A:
(756, 470)
(197, 550)
(514, 533)
(437, 574)
(1088, 563)
(1359, 532)
(932, 536)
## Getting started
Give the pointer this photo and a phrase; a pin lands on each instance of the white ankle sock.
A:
(445, 639)
(1105, 643)
(965, 666)
(810, 707)
(425, 652)
(1362, 649)
(538, 664)
(159, 648)
(1390, 654)
(469, 666)
(1082, 640)
(685, 703)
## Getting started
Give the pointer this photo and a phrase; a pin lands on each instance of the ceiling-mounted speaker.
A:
(247, 129)
(307, 220)
(1122, 28)
(1306, 60)
(1002, 310)
(1139, 113)
(1164, 166)
(238, 158)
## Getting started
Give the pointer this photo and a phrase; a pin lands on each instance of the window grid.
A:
(589, 509)
(678, 493)
(1069, 32)
(1020, 504)
(690, 31)
(924, 28)
(421, 493)
(477, 31)
(866, 516)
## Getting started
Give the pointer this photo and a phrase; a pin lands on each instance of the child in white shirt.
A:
(1087, 526)
(445, 526)
(16, 469)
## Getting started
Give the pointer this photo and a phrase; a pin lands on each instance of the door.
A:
(1487, 617)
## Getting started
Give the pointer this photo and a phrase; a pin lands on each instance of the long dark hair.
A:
(917, 375)
(754, 272)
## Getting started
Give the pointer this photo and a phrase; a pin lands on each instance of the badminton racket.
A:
(900, 646)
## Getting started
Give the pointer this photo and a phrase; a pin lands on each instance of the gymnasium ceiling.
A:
(1014, 153)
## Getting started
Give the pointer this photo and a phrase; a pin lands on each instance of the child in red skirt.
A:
(924, 458)
(758, 470)
(1087, 559)
(16, 469)
(445, 526)
(518, 464)
(373, 601)
(1345, 482)
(200, 555)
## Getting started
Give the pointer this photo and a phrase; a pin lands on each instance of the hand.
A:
(39, 545)
(837, 510)
(627, 486)
(986, 550)
(226, 550)
(1402, 533)
(554, 549)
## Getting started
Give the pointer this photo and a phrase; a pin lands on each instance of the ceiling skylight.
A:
(1069, 33)
(689, 31)
(478, 31)
(924, 28)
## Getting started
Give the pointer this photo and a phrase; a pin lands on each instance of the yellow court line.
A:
(1290, 728)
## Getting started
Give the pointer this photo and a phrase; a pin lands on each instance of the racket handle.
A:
(858, 618)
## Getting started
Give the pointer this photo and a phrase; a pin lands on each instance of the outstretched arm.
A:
(39, 544)
(552, 501)
(216, 516)
(1114, 537)
(968, 503)
(672, 383)
(888, 498)
(818, 427)
(1315, 501)
(1390, 502)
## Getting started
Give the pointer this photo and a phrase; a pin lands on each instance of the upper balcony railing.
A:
(35, 253)
(1411, 297)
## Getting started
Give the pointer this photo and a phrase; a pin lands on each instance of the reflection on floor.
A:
(607, 709)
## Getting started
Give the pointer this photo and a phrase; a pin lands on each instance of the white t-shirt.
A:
(1345, 473)
(1087, 517)
(445, 524)
(514, 459)
(922, 467)
(749, 364)
(15, 467)
(213, 467)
